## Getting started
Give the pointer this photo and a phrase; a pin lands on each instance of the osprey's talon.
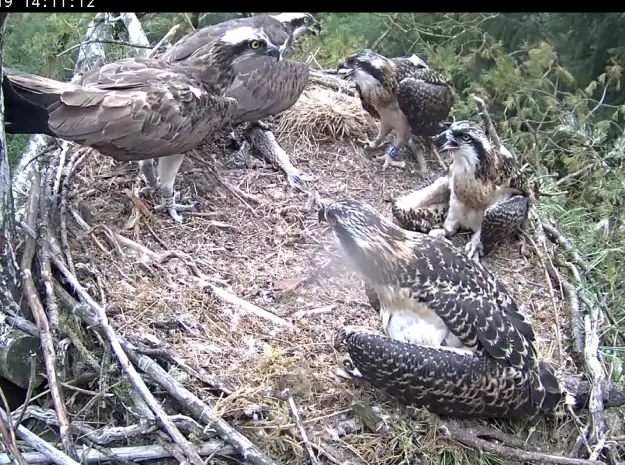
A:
(438, 233)
(389, 158)
(263, 125)
(150, 180)
(366, 143)
(350, 368)
(170, 205)
(296, 177)
(147, 190)
(475, 250)
(388, 161)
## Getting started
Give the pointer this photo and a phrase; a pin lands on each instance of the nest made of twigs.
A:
(323, 114)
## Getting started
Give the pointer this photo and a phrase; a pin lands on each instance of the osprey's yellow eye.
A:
(466, 137)
(306, 20)
(255, 44)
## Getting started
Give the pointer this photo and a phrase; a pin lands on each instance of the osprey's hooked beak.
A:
(274, 51)
(344, 69)
(315, 28)
(445, 141)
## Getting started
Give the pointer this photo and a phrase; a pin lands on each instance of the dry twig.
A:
(129, 454)
(467, 437)
(51, 453)
(47, 343)
(230, 298)
(199, 409)
(100, 319)
(300, 426)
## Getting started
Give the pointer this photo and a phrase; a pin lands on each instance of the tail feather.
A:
(28, 99)
(443, 380)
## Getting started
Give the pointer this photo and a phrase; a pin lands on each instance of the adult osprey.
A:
(262, 86)
(455, 341)
(283, 29)
(405, 95)
(139, 108)
(481, 177)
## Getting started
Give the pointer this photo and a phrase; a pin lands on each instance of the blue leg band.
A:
(392, 151)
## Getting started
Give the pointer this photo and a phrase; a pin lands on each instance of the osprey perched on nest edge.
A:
(139, 108)
(456, 343)
(405, 95)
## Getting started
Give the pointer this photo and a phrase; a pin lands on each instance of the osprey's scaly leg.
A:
(391, 153)
(474, 247)
(383, 131)
(417, 150)
(452, 221)
(168, 168)
(148, 173)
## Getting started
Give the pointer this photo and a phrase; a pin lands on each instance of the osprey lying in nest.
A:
(262, 86)
(405, 95)
(455, 341)
(139, 108)
(484, 192)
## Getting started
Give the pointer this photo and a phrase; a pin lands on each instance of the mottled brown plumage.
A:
(480, 178)
(455, 341)
(425, 209)
(262, 86)
(139, 108)
(404, 94)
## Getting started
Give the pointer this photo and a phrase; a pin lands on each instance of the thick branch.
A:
(468, 438)
(53, 455)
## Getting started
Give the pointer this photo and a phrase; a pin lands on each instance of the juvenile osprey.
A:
(455, 341)
(481, 177)
(262, 86)
(425, 209)
(139, 108)
(405, 95)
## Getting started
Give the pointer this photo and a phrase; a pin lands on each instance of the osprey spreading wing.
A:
(482, 179)
(138, 108)
(404, 94)
(455, 341)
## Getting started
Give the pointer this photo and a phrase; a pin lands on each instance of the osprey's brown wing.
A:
(473, 304)
(139, 114)
(366, 105)
(510, 174)
(264, 86)
(122, 71)
(426, 100)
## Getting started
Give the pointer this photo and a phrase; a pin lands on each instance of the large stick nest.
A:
(259, 253)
